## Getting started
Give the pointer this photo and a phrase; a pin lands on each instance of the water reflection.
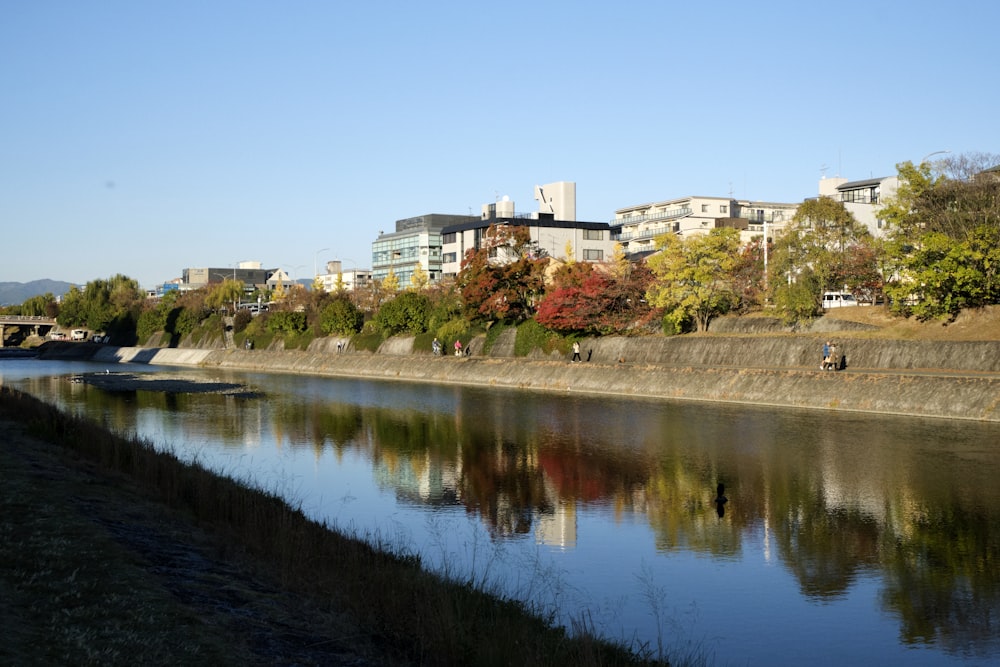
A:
(837, 499)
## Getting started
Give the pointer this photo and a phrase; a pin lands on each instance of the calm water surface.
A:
(845, 539)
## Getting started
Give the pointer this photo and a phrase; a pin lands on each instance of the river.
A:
(844, 538)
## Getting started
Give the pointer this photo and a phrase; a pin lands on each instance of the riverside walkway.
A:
(946, 380)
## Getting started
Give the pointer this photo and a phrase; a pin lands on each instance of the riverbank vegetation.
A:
(937, 257)
(74, 596)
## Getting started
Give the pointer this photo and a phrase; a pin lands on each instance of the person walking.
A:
(826, 356)
(576, 351)
(458, 348)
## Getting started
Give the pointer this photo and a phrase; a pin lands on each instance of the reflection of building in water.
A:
(846, 487)
(419, 479)
(557, 528)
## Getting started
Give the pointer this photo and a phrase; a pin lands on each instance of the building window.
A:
(593, 255)
(448, 238)
(449, 257)
(593, 235)
(704, 208)
(723, 208)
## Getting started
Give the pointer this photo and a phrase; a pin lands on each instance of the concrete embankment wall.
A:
(961, 383)
(797, 352)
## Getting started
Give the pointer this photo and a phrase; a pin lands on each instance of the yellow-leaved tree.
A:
(419, 278)
(693, 277)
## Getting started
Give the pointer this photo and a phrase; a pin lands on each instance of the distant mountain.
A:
(12, 294)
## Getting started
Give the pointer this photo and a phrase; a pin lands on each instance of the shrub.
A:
(341, 316)
(241, 320)
(286, 322)
(407, 313)
(367, 341)
(533, 336)
(676, 322)
(455, 328)
(150, 321)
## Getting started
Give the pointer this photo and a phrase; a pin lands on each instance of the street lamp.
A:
(924, 159)
(291, 269)
(315, 260)
(224, 279)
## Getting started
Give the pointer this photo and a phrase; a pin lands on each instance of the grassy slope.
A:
(115, 554)
(982, 324)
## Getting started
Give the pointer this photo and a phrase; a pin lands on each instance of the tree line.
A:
(940, 253)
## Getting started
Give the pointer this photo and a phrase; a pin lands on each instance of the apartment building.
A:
(862, 198)
(336, 277)
(636, 227)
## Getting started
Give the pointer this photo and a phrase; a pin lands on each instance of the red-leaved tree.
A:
(502, 279)
(602, 299)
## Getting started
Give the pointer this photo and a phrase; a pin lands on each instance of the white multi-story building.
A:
(863, 199)
(336, 278)
(554, 229)
(636, 227)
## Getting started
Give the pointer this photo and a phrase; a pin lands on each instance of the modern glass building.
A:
(416, 242)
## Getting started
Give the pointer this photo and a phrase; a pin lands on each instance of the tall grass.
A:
(425, 617)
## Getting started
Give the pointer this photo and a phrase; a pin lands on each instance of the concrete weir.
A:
(946, 380)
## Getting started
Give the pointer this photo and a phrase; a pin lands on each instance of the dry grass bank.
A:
(982, 324)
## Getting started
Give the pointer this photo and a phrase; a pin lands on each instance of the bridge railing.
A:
(27, 318)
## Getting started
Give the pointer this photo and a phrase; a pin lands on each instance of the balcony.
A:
(651, 217)
(648, 233)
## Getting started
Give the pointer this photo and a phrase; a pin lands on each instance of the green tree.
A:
(826, 233)
(341, 316)
(227, 293)
(40, 306)
(941, 253)
(286, 322)
(111, 305)
(941, 276)
(408, 312)
(693, 277)
(796, 300)
(914, 181)
(446, 304)
(153, 318)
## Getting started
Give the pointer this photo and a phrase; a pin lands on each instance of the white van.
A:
(78, 334)
(838, 300)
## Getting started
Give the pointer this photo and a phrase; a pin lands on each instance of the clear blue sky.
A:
(146, 137)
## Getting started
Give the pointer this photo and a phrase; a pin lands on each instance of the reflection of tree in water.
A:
(944, 581)
(825, 549)
(502, 482)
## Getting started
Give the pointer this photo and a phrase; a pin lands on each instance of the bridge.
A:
(35, 322)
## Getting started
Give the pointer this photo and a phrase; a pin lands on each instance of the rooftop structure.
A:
(552, 234)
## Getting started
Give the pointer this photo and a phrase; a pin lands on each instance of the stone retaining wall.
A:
(950, 380)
